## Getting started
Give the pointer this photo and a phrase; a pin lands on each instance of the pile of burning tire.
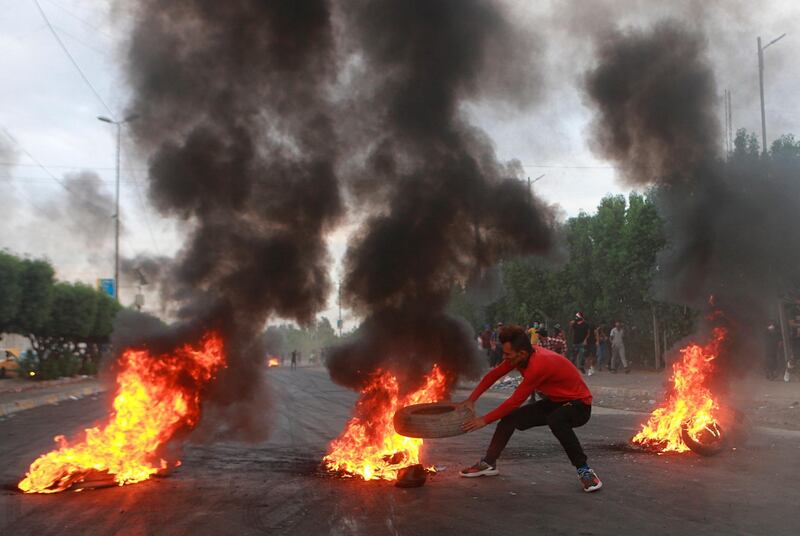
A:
(713, 439)
(708, 442)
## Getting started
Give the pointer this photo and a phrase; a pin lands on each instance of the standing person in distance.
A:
(617, 337)
(603, 354)
(580, 335)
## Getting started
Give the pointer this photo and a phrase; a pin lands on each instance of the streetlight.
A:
(119, 124)
(530, 183)
(761, 85)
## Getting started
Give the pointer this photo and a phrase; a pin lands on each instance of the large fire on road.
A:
(690, 403)
(156, 397)
(369, 447)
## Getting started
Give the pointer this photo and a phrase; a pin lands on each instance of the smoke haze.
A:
(236, 122)
(441, 207)
(654, 93)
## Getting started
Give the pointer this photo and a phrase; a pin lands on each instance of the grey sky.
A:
(51, 113)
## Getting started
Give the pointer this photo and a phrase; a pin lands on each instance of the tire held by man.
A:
(426, 421)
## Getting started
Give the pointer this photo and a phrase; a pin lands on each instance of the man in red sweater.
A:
(567, 404)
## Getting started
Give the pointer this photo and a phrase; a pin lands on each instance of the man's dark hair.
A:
(516, 335)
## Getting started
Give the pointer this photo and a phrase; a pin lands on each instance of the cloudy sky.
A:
(57, 160)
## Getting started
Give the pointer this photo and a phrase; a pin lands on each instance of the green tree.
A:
(10, 290)
(785, 147)
(745, 145)
(608, 275)
(37, 297)
(611, 272)
(91, 348)
(79, 324)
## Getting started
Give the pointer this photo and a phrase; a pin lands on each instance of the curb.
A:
(21, 405)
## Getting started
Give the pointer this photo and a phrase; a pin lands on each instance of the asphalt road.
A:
(275, 487)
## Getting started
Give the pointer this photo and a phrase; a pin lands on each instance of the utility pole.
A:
(656, 350)
(730, 123)
(339, 321)
(761, 88)
(726, 112)
(530, 183)
(788, 354)
(118, 124)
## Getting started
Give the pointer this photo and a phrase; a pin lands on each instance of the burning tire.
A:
(709, 441)
(442, 419)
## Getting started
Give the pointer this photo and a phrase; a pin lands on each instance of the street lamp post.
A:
(118, 124)
(761, 88)
(531, 183)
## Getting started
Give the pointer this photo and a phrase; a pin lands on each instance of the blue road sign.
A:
(106, 285)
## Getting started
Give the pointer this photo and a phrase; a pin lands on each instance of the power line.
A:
(80, 19)
(30, 179)
(111, 168)
(567, 166)
(64, 166)
(49, 173)
(145, 210)
(82, 42)
(75, 63)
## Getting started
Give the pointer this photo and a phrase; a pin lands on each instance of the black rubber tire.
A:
(441, 419)
(703, 449)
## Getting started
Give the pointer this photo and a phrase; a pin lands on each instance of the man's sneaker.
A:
(591, 371)
(589, 480)
(479, 469)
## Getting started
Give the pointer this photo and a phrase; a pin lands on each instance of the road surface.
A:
(275, 487)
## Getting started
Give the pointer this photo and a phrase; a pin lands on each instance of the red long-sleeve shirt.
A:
(547, 372)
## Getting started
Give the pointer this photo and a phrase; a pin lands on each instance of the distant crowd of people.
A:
(591, 347)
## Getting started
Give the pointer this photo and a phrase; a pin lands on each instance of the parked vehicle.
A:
(9, 363)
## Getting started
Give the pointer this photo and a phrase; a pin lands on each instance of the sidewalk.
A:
(19, 395)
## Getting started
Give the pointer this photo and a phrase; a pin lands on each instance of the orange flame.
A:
(369, 447)
(273, 362)
(689, 401)
(156, 397)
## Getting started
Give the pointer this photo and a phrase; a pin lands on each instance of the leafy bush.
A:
(29, 362)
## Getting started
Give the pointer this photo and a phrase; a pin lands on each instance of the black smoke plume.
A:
(235, 118)
(84, 214)
(727, 220)
(441, 208)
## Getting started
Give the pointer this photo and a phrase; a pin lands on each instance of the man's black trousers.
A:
(561, 417)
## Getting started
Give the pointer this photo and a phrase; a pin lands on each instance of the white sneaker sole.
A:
(593, 488)
(487, 472)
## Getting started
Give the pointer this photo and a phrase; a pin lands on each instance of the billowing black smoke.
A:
(235, 119)
(250, 111)
(83, 214)
(727, 220)
(441, 208)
